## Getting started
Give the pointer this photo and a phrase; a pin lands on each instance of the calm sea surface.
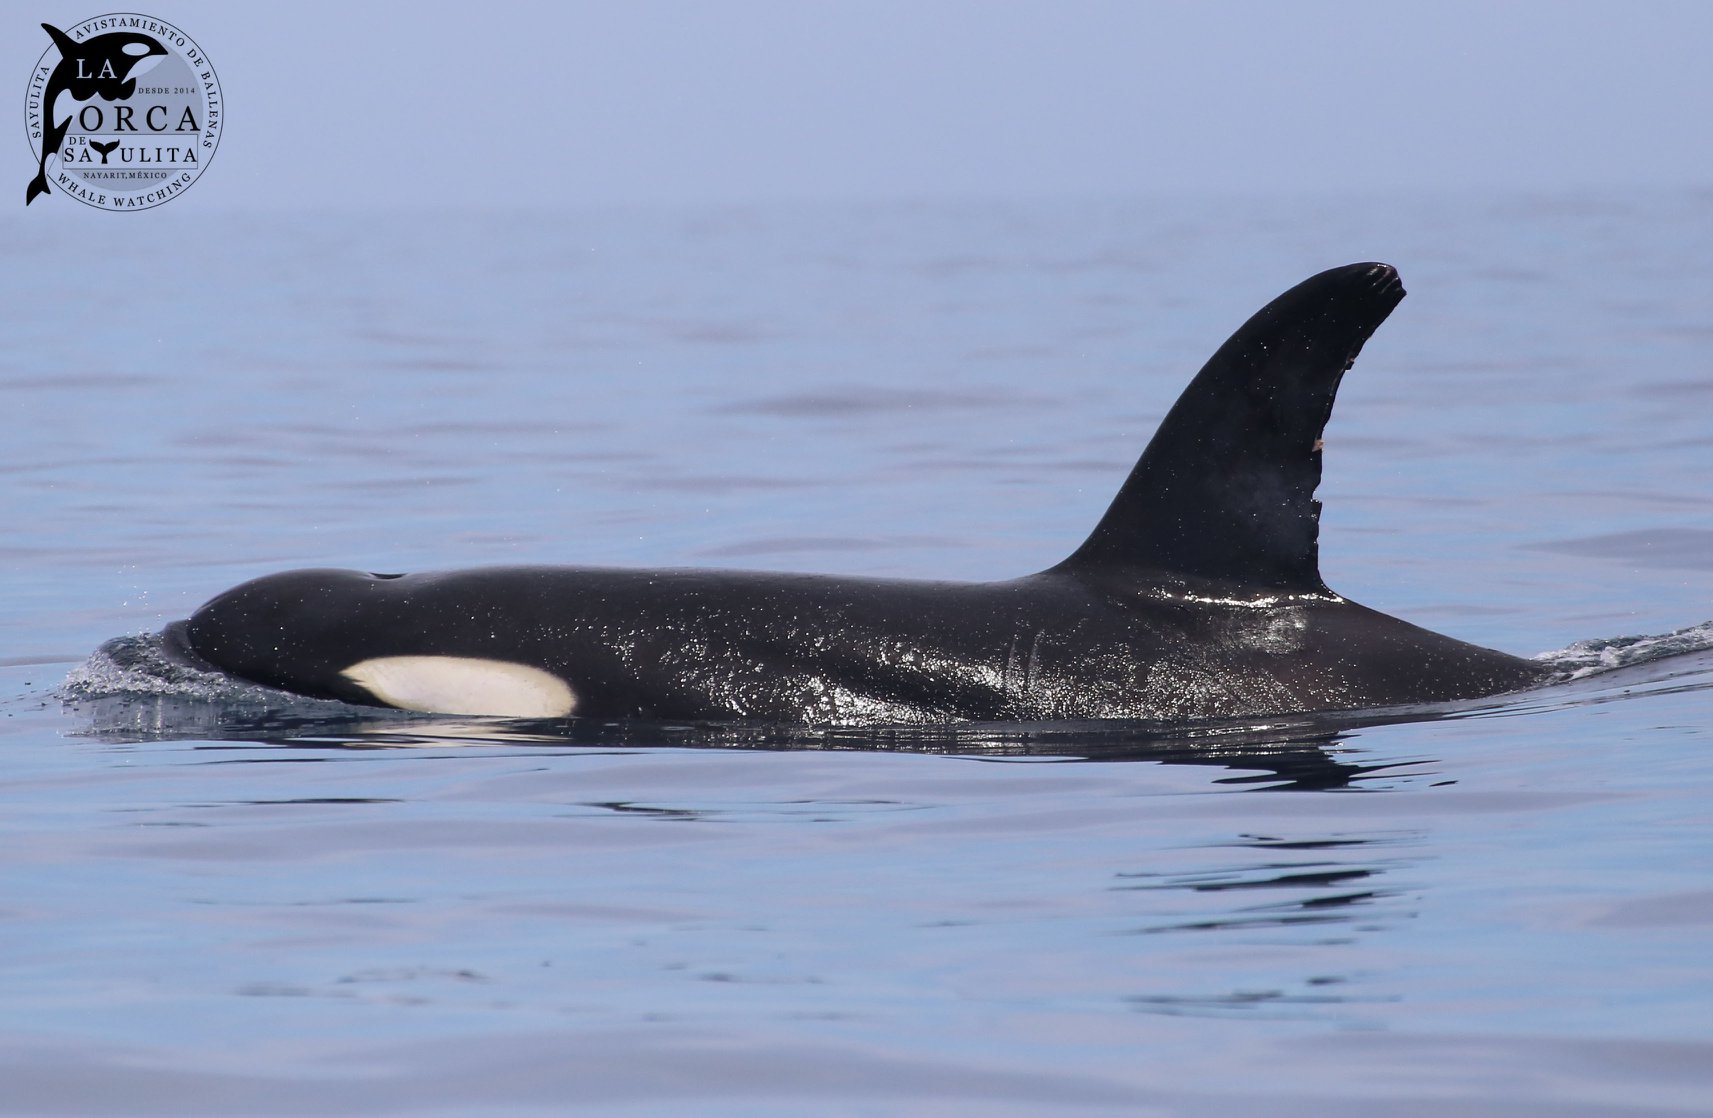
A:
(213, 905)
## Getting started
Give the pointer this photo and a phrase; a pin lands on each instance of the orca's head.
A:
(364, 638)
(296, 631)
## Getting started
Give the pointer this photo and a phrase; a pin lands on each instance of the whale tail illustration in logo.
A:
(105, 149)
(99, 66)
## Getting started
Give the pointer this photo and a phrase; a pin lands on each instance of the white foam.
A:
(1592, 657)
(138, 665)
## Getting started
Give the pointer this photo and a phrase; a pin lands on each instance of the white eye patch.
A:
(462, 685)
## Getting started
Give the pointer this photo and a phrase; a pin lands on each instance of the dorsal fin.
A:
(1225, 491)
(66, 44)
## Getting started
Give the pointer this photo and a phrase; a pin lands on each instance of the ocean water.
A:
(212, 906)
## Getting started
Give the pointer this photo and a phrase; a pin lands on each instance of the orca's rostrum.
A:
(1198, 595)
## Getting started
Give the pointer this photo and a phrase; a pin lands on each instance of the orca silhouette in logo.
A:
(1198, 595)
(98, 66)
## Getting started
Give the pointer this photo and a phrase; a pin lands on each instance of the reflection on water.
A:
(1281, 754)
(128, 692)
(1334, 899)
(1271, 916)
(1311, 878)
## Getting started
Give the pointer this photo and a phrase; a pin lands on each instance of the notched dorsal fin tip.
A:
(1225, 490)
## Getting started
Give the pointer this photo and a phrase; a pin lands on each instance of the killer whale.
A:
(1197, 595)
(101, 65)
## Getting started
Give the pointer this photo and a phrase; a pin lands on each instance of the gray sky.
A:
(394, 105)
